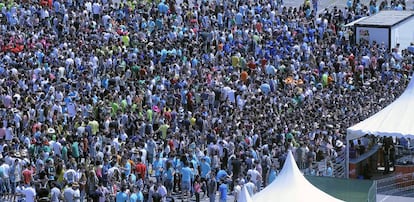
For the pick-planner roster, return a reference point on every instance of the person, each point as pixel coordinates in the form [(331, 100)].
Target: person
[(5, 178), (162, 191), (104, 192), (187, 177), (223, 188), (69, 193), (15, 177), (237, 189), (197, 188), (96, 194), (212, 188), (84, 75), (55, 193), (272, 174), (134, 195), (250, 186), (29, 193), (255, 177), (122, 196)]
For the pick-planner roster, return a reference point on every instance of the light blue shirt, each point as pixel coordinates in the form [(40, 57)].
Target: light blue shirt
[(187, 174)]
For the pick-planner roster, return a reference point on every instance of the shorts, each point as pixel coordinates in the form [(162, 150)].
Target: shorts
[(185, 186)]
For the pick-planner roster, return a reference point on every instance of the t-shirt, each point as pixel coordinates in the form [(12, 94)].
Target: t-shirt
[(69, 195), (223, 192), (54, 194), (75, 149), (186, 174), (30, 194), (121, 197)]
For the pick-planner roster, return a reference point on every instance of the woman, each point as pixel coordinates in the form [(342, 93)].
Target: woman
[(92, 182), (169, 177), (82, 186), (272, 174), (197, 188)]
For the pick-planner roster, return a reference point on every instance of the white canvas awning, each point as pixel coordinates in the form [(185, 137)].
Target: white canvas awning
[(397, 119), (291, 186), (244, 196)]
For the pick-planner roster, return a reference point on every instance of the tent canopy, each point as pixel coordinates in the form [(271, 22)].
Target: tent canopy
[(244, 196), (394, 120), (292, 186)]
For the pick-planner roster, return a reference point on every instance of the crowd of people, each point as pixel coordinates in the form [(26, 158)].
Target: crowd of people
[(150, 101)]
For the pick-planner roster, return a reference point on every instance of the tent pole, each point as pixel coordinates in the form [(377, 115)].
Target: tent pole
[(347, 158)]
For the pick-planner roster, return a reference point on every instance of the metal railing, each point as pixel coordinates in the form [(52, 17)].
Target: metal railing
[(339, 165), (398, 185)]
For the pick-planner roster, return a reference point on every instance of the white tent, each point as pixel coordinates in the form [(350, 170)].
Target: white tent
[(290, 185), (394, 120), (244, 196)]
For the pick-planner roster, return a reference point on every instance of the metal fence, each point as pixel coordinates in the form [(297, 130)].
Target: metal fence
[(398, 185)]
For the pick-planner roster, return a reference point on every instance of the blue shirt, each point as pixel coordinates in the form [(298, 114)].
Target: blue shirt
[(221, 174), (127, 169), (205, 168), (186, 174), (223, 192), (140, 197), (121, 197), (133, 197)]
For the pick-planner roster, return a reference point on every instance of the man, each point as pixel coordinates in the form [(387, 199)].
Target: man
[(70, 176), (250, 186), (256, 177), (162, 191), (5, 178), (122, 196), (223, 191), (55, 193), (134, 195), (29, 193), (69, 193), (27, 174), (140, 168), (212, 188), (187, 176)]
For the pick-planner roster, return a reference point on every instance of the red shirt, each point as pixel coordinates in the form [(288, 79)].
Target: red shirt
[(141, 169), (27, 176)]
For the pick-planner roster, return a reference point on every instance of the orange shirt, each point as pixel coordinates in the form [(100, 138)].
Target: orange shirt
[(243, 76)]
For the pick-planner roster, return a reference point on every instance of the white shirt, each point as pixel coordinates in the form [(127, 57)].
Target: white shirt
[(57, 148), (6, 170), (55, 193), (254, 174), (70, 175), (29, 194), (96, 8)]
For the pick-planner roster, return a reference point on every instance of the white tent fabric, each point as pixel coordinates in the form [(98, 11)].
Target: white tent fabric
[(291, 186), (394, 120), (244, 196)]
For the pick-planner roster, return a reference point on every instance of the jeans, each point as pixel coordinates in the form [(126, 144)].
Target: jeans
[(213, 197), (5, 186)]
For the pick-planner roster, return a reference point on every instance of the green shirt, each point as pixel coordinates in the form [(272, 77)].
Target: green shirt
[(75, 150), (149, 114)]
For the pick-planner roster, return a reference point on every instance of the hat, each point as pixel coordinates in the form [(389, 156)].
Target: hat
[(155, 108), (75, 184), (51, 131), (339, 143)]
